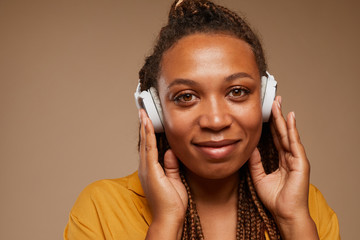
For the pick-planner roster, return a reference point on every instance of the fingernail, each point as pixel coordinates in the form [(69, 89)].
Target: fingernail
[(142, 118), (278, 104), (293, 114), (139, 115), (280, 99), (144, 121)]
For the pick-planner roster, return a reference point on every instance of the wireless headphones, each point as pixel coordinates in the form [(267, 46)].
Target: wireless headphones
[(149, 100)]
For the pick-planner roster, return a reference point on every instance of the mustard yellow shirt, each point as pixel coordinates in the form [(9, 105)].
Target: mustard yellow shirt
[(117, 209)]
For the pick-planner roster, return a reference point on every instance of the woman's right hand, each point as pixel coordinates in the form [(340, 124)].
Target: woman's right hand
[(163, 188)]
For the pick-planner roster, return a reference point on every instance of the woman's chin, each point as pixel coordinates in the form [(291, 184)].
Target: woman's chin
[(214, 171)]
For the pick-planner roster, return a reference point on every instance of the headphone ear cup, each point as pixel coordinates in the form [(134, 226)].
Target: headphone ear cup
[(149, 101), (268, 93), (159, 115)]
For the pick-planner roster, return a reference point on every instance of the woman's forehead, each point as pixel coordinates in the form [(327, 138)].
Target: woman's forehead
[(208, 55)]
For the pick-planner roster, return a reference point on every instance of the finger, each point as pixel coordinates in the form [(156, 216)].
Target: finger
[(275, 138), (143, 119), (297, 149), (150, 148), (279, 148), (279, 124), (255, 166), (171, 165)]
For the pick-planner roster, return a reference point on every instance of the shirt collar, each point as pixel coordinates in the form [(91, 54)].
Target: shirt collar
[(135, 185)]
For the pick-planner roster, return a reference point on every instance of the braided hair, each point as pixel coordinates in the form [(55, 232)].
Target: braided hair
[(201, 16)]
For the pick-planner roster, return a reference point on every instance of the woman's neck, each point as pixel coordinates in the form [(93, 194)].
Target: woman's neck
[(213, 191), (216, 203)]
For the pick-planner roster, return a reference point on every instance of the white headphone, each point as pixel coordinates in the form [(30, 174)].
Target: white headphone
[(149, 100)]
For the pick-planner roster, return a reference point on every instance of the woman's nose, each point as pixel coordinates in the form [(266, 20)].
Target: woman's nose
[(215, 115)]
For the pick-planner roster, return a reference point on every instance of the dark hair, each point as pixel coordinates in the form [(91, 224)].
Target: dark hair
[(202, 16)]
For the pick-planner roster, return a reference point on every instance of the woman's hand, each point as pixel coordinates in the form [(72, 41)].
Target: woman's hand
[(165, 192), (285, 191)]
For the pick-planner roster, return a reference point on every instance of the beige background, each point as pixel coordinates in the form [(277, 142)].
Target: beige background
[(68, 70)]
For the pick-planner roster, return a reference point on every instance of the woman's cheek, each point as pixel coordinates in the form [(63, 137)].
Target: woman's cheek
[(249, 118), (175, 126), (179, 128)]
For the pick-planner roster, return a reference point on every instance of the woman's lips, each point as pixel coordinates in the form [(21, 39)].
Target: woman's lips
[(216, 149)]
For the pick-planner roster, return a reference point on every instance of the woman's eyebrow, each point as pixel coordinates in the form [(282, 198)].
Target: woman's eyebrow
[(189, 82), (238, 75), (182, 81)]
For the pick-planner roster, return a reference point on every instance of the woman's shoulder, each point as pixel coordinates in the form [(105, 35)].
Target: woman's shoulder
[(125, 185), (112, 193), (105, 205), (324, 217)]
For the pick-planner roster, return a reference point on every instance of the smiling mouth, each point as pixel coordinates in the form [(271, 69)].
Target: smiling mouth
[(216, 149)]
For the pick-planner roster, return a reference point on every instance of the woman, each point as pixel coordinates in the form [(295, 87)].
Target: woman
[(217, 171)]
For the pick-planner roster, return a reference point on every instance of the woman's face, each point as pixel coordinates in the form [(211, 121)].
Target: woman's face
[(209, 88)]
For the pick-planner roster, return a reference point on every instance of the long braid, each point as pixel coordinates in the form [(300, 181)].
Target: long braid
[(240, 211), (269, 221), (191, 217), (247, 219)]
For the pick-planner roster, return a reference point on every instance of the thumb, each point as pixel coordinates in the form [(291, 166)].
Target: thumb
[(171, 165), (255, 166)]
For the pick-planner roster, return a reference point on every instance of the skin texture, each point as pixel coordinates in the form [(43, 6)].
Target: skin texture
[(209, 88), (212, 112)]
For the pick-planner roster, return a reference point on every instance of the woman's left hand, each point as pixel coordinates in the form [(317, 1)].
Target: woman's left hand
[(285, 191)]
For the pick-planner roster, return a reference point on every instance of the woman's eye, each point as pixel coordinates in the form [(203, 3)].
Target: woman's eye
[(238, 92), (186, 98)]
